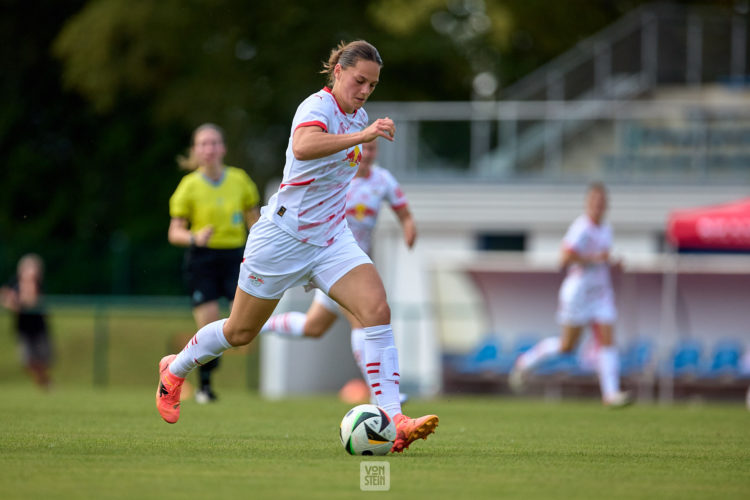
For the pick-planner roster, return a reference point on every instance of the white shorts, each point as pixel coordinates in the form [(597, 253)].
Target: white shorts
[(275, 261), (579, 305), (326, 301)]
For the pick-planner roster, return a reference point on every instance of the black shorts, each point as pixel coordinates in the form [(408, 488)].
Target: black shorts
[(34, 338), (211, 273)]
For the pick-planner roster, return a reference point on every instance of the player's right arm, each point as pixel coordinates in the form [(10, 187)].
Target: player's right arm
[(179, 234), (570, 256), (312, 142)]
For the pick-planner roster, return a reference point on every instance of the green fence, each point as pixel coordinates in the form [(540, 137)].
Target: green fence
[(113, 340)]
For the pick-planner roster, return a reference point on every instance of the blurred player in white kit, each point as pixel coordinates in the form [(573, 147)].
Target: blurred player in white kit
[(585, 298)]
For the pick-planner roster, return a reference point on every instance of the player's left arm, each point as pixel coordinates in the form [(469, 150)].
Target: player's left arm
[(408, 226)]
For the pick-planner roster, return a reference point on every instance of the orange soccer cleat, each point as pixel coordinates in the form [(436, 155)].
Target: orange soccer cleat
[(168, 392), (410, 429)]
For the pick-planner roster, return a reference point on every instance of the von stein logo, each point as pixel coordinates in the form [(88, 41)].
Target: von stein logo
[(374, 476)]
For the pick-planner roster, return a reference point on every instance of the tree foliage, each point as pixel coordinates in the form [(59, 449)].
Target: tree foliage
[(101, 95), (245, 65)]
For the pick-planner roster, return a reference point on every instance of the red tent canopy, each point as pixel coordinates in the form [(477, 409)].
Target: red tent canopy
[(717, 227)]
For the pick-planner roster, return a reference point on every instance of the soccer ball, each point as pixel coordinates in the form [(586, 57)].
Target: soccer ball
[(367, 430)]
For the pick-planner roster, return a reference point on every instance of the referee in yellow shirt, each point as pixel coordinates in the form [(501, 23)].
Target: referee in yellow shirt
[(211, 211)]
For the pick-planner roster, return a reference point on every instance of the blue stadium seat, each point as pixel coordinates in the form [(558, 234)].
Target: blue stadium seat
[(725, 359), (636, 357), (484, 357), (744, 365), (564, 363), (686, 359), (524, 342)]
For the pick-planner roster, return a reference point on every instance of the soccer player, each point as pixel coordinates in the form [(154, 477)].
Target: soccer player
[(370, 187), (302, 237), (23, 296), (585, 297), (211, 211)]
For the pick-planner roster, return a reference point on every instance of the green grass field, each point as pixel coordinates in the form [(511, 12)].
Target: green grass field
[(97, 435), (135, 337), (88, 443)]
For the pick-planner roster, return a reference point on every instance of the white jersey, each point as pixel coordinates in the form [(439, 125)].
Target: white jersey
[(586, 294), (364, 199), (311, 201), (587, 240)]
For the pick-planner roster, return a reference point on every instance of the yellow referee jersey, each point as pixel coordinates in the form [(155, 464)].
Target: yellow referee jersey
[(220, 204)]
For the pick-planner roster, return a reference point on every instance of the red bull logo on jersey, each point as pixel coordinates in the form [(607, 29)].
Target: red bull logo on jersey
[(359, 211), (354, 157), (255, 280)]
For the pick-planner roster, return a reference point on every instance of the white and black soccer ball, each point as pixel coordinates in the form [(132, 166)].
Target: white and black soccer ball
[(367, 430)]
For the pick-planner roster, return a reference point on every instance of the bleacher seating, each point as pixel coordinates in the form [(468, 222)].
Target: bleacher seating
[(725, 360), (636, 357), (483, 358), (686, 359), (564, 364), (696, 368)]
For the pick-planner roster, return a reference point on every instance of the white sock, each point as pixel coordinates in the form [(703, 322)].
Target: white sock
[(543, 349), (358, 351), (609, 370), (288, 324), (207, 344), (381, 364)]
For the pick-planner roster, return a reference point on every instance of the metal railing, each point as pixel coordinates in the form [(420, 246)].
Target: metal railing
[(574, 117), (674, 141), (657, 44)]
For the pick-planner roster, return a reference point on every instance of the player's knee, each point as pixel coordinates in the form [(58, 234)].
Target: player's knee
[(566, 347), (239, 335), (377, 313), (606, 342), (314, 331)]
